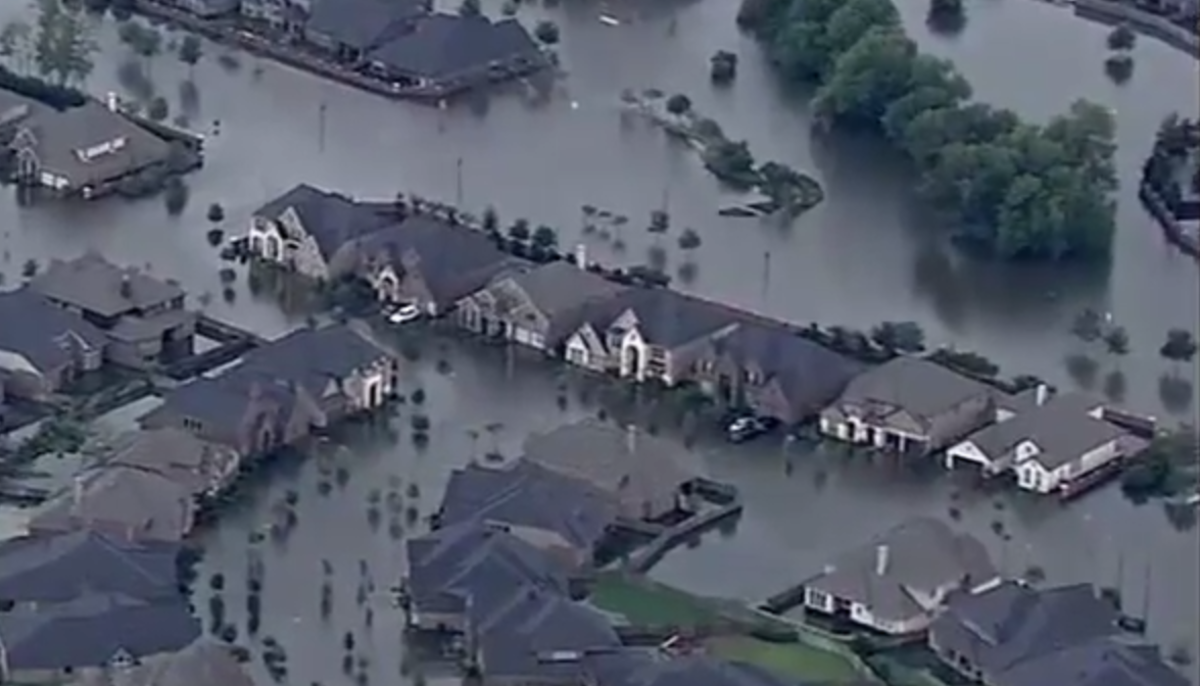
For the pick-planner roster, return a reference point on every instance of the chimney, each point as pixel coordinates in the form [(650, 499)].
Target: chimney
[(631, 439), (881, 559), (1043, 394), (581, 260)]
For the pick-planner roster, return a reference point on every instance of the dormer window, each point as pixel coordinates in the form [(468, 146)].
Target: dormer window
[(106, 148)]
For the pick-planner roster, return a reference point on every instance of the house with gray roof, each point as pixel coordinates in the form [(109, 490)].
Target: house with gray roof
[(43, 348), (84, 150), (538, 636), (1062, 437), (56, 568), (305, 229), (650, 476), (349, 29), (203, 663), (89, 634), (143, 317), (897, 583), (909, 405), (200, 467), (562, 514), (283, 391), (986, 634), (771, 370), (428, 261), (1107, 661), (650, 334), (446, 53), (253, 414), (539, 307), (469, 569), (123, 502)]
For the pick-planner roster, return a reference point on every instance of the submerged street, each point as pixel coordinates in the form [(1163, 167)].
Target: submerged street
[(866, 254)]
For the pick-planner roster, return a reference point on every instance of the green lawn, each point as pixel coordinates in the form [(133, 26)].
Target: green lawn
[(790, 660), (647, 603)]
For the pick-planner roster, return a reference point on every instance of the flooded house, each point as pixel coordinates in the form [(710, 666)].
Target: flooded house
[(347, 30), (144, 318), (909, 404), (282, 392), (43, 347), (85, 150), (445, 53), (899, 582)]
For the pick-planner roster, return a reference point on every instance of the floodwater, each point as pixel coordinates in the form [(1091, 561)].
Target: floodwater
[(864, 255)]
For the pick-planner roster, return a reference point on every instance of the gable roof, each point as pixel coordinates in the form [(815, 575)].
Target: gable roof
[(332, 219), (1101, 662), (809, 374), (203, 663), (96, 285), (1012, 623), (475, 565), (918, 386), (90, 630), (55, 568), (445, 45), (47, 335), (633, 466), (541, 634), (229, 406), (1064, 428), (122, 501), (172, 452), (60, 136), (526, 494), (454, 261), (311, 358), (558, 290), (666, 317), (921, 554), (361, 24)]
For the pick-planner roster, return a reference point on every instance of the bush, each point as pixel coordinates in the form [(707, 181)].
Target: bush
[(215, 237), (679, 104), (216, 213), (723, 66)]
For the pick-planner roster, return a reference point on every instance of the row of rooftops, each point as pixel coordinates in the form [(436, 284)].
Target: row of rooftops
[(513, 594), (107, 609)]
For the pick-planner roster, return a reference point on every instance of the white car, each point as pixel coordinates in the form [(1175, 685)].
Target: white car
[(405, 314)]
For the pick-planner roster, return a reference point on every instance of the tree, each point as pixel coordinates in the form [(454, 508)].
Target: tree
[(63, 45), (545, 238), (190, 51), (216, 213), (519, 231), (470, 8), (868, 78), (1180, 347), (546, 31), (15, 44), (723, 66), (1116, 341), (679, 104), (1122, 38), (176, 196), (1119, 68), (946, 16), (491, 220), (158, 109), (905, 337), (731, 162), (1088, 326)]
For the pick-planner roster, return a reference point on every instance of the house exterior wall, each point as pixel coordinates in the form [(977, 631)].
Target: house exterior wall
[(286, 242), (21, 379), (1033, 476), (847, 422), (403, 284), (585, 349)]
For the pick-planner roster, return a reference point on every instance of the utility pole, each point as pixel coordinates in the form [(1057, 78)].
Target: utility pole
[(458, 183), (321, 126), (766, 274)]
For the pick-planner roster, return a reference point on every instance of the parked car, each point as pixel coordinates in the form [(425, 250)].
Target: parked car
[(747, 427), (404, 314)]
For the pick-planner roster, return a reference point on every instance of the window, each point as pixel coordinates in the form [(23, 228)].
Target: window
[(577, 355), (815, 598)]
